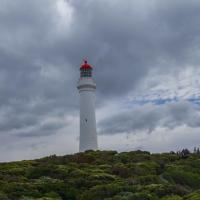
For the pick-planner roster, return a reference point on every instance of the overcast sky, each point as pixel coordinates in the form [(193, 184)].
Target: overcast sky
[(146, 62)]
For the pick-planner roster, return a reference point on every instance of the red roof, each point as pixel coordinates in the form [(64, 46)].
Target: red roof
[(85, 65)]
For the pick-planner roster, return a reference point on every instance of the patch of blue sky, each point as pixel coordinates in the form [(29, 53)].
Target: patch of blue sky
[(195, 100), (159, 101), (163, 101)]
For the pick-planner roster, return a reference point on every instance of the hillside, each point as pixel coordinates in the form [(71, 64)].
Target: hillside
[(98, 175)]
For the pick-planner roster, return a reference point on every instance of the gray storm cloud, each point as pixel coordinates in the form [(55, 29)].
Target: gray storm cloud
[(42, 46), (149, 117)]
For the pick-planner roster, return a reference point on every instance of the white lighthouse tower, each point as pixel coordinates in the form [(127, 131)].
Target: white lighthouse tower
[(87, 87)]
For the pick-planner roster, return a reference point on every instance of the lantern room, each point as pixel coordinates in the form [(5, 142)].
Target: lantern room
[(86, 70)]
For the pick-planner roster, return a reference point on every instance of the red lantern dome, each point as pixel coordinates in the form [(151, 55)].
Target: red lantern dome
[(85, 65)]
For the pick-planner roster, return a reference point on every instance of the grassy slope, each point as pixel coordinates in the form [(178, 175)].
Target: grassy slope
[(98, 175)]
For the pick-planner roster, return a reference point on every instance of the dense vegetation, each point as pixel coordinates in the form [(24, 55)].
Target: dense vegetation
[(98, 175)]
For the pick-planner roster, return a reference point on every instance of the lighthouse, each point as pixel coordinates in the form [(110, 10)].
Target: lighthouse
[(86, 87)]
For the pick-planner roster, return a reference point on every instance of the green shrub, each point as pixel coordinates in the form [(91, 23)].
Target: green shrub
[(194, 195), (133, 196), (3, 196), (182, 177), (100, 192), (149, 179), (172, 197), (103, 175)]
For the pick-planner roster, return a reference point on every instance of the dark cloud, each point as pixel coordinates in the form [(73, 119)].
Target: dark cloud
[(50, 128), (149, 117), (41, 50)]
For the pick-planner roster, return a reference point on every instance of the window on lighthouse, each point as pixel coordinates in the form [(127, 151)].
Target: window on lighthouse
[(86, 73)]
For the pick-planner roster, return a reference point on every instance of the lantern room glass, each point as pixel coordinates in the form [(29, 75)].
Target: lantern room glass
[(86, 73)]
